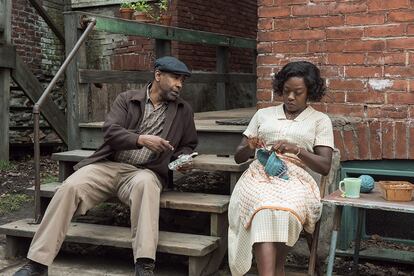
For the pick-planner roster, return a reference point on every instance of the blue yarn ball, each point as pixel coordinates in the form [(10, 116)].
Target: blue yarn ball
[(367, 183)]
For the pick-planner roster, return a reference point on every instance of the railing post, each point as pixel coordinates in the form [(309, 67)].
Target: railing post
[(5, 38), (221, 68), (77, 94)]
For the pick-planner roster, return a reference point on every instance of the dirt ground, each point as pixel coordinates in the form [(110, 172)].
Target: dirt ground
[(15, 204)]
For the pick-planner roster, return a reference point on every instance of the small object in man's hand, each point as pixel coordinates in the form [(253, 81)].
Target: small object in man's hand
[(181, 160)]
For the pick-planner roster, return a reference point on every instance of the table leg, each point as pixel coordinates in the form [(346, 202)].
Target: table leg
[(361, 213), (334, 239)]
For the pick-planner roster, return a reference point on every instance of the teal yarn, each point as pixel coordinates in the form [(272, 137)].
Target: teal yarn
[(367, 183), (273, 165)]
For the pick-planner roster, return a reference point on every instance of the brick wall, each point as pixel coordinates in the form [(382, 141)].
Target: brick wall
[(237, 18), (365, 49)]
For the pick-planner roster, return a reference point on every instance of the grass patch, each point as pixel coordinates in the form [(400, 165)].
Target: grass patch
[(5, 165), (12, 202), (49, 179)]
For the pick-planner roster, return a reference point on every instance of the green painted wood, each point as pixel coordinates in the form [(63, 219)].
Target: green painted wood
[(222, 56), (115, 76), (7, 56), (24, 77), (169, 242), (129, 27)]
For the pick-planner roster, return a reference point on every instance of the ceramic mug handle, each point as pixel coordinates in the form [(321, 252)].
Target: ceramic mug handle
[(340, 186)]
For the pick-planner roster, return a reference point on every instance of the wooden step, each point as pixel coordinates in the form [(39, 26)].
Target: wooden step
[(198, 202), (169, 242), (208, 162), (212, 138)]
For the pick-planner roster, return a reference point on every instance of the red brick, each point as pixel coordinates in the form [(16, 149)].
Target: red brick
[(399, 85), (411, 138), (264, 47), (265, 3), (401, 43), (281, 24), (260, 105), (274, 11), (365, 97), (269, 60), (299, 23), (344, 59), (307, 34), (263, 83), (364, 45), (345, 84), (273, 36), (375, 140), (351, 145), (289, 47), (384, 31), (401, 16), (388, 140), (334, 97), (339, 144), (349, 110), (319, 107), (347, 8), (376, 5), (330, 71), (374, 111), (399, 71), (263, 72), (328, 21), (326, 46), (400, 140), (385, 58), (264, 96), (344, 33), (265, 24), (310, 10), (362, 71), (411, 85), (411, 58), (362, 130), (410, 29), (365, 19), (291, 2), (400, 98)]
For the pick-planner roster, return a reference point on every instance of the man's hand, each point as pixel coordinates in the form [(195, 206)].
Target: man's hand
[(154, 143)]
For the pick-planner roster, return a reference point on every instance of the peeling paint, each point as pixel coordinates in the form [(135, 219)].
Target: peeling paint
[(380, 85)]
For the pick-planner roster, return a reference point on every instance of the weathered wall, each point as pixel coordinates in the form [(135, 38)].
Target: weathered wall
[(365, 50), (38, 47)]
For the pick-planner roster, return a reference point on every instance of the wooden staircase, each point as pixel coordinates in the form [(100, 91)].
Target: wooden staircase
[(205, 252)]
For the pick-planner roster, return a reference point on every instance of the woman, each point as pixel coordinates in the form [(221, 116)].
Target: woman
[(267, 213)]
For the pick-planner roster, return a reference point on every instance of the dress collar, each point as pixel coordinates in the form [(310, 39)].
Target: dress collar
[(280, 113)]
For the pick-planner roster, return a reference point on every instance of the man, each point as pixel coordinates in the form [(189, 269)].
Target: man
[(143, 132)]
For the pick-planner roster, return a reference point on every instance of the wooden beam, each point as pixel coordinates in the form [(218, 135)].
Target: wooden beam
[(7, 56), (101, 76), (162, 48), (49, 21), (24, 77), (222, 57), (129, 27), (5, 37)]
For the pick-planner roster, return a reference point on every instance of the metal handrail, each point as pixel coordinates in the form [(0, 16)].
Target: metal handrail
[(36, 114)]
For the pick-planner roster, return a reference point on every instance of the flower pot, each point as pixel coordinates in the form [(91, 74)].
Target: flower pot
[(143, 17), (126, 13), (165, 20)]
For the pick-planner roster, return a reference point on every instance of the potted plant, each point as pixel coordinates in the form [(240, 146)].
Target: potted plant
[(165, 17), (143, 11), (126, 10)]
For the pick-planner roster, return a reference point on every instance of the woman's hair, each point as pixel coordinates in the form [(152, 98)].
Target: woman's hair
[(306, 70)]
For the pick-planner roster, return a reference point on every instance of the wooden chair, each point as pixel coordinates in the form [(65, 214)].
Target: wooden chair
[(312, 240)]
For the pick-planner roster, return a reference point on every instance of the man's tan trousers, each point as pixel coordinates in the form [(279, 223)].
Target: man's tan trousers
[(91, 185)]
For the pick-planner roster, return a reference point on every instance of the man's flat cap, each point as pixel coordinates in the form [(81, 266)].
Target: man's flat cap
[(172, 65)]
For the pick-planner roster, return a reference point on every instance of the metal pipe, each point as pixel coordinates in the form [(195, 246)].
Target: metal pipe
[(36, 115)]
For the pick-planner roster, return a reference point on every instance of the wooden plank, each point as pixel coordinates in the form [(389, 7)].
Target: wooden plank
[(7, 56), (162, 48), (129, 27), (23, 76), (372, 200), (169, 242), (381, 254), (95, 3), (210, 162), (115, 76), (49, 21), (5, 37), (222, 57), (197, 202)]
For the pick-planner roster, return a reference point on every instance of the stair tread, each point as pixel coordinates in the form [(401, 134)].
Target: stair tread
[(199, 202), (169, 242), (208, 162)]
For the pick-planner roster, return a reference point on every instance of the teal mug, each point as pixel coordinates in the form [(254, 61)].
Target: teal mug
[(352, 187)]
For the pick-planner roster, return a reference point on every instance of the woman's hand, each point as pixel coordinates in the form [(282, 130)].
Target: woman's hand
[(255, 142), (283, 146)]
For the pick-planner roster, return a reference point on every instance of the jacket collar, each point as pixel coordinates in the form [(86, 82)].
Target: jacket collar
[(141, 95)]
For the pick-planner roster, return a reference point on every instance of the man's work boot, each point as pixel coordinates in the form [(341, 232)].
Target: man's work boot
[(144, 267), (32, 269)]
